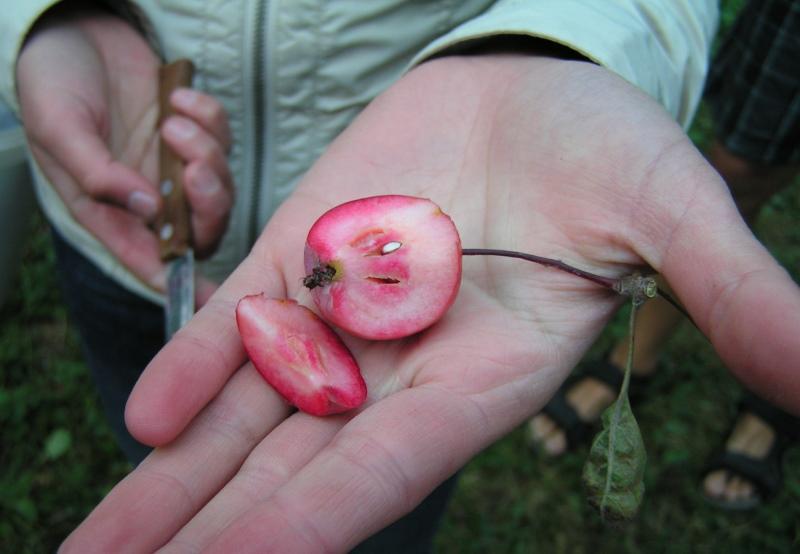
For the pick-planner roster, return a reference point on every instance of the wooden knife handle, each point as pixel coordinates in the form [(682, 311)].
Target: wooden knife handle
[(174, 222)]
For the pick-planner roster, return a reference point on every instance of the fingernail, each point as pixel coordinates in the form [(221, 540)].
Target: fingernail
[(180, 128), (206, 182), (142, 204), (184, 97)]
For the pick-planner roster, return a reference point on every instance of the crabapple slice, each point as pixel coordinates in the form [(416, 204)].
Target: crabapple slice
[(299, 355), (383, 267)]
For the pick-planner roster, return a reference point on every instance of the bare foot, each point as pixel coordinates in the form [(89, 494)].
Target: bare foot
[(589, 397), (752, 437)]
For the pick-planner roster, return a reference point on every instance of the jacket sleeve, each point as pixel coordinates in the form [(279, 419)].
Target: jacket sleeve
[(660, 46), (16, 21)]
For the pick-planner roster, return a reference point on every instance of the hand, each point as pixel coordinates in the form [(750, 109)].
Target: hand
[(88, 92), (556, 158)]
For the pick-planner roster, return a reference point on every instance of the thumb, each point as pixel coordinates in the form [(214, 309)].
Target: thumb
[(737, 293)]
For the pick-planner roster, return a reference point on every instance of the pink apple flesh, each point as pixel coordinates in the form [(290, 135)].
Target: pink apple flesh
[(394, 265), (299, 355)]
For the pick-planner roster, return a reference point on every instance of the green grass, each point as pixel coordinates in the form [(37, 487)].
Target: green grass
[(58, 458)]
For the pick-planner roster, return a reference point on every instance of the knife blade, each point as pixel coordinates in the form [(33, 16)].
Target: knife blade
[(174, 222)]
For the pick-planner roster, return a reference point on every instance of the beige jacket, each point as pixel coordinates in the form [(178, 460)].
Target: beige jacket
[(293, 73)]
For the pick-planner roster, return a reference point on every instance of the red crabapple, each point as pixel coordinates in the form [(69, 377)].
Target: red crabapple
[(299, 355), (383, 267)]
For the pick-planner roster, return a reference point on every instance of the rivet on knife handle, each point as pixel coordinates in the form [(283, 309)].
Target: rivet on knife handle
[(174, 223)]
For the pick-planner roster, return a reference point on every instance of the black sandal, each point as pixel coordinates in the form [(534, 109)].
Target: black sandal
[(563, 414), (765, 473)]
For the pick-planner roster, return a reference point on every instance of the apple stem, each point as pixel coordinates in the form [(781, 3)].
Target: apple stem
[(607, 282), (637, 286)]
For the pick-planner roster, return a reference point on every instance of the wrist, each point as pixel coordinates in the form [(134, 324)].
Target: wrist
[(79, 13), (515, 44)]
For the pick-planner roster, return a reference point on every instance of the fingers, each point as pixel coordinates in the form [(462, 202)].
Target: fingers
[(204, 289), (74, 142), (109, 199), (272, 463), (381, 465), (192, 142), (152, 503), (737, 293), (211, 202), (195, 365), (206, 111), (751, 313), (209, 185), (122, 232)]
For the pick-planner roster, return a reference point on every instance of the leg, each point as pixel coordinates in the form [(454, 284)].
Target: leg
[(656, 323), (752, 184), (748, 470), (119, 331), (752, 437), (752, 92)]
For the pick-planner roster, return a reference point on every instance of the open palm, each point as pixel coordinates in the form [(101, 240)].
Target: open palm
[(551, 157)]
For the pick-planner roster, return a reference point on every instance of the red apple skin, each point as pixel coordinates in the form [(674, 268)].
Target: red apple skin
[(299, 355), (380, 295)]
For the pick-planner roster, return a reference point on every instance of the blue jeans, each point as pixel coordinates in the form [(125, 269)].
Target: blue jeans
[(121, 332)]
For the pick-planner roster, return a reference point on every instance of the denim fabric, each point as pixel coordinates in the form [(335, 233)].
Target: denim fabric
[(120, 333)]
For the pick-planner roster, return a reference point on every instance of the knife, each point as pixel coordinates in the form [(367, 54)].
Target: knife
[(174, 223)]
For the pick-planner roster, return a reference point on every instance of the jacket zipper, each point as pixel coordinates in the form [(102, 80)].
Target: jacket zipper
[(259, 108)]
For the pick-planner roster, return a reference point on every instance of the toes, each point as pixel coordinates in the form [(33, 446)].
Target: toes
[(540, 427), (545, 434), (714, 483), (739, 489), (556, 444), (733, 491), (747, 490), (728, 487)]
